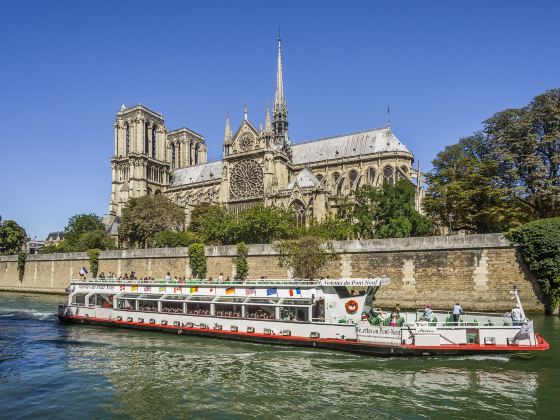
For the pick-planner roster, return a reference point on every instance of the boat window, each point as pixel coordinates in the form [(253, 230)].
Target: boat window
[(201, 298), (129, 296), (198, 308), (350, 291), (296, 302), (263, 300), (173, 297), (233, 299), (228, 309), (79, 299), (294, 314), (260, 312), (147, 305), (150, 297), (174, 307), (126, 304)]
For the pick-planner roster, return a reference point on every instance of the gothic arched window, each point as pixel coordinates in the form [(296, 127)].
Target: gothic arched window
[(298, 211), (334, 179), (179, 155), (196, 154), (146, 138), (127, 141), (190, 152), (388, 175), (173, 155), (353, 178), (154, 136), (371, 176)]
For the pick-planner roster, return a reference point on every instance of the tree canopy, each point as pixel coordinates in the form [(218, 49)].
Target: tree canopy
[(83, 232), (305, 256), (146, 216), (503, 176), (384, 212), (12, 237)]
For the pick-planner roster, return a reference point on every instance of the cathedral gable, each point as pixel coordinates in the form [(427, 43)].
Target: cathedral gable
[(246, 138)]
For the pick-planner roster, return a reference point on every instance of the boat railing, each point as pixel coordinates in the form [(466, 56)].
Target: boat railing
[(187, 282), (472, 319)]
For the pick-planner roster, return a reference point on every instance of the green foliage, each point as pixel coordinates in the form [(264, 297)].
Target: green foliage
[(146, 216), (330, 228), (257, 224), (169, 239), (540, 247), (22, 257), (50, 249), (242, 268), (304, 256), (384, 212), (464, 192), (83, 232), (503, 177), (12, 237), (197, 260), (93, 256)]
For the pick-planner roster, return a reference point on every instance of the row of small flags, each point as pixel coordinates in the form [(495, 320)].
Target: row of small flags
[(273, 291)]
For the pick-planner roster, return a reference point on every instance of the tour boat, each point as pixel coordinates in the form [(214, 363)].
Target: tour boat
[(336, 314)]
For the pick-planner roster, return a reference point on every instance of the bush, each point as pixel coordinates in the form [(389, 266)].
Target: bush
[(22, 257), (169, 239), (304, 256), (242, 268), (197, 260), (93, 255), (539, 243)]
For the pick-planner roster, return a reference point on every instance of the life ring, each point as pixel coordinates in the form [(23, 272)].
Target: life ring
[(351, 306)]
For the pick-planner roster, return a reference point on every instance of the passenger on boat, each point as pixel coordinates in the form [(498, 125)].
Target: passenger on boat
[(457, 311), (394, 319), (516, 317), (397, 309), (168, 277), (221, 278), (428, 312)]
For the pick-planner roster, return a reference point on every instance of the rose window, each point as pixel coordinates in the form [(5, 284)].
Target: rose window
[(246, 180), (246, 142)]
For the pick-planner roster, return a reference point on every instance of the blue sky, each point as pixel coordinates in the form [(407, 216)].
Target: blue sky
[(443, 67)]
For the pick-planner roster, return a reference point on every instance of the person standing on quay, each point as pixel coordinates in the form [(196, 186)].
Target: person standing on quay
[(457, 312)]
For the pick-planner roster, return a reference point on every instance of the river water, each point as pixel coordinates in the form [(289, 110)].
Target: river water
[(53, 370)]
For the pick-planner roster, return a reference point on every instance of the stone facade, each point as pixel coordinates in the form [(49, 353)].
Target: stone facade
[(259, 166), (477, 270)]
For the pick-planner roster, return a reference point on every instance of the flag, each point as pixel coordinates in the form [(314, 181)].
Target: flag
[(272, 291), (250, 291), (147, 289), (194, 289), (162, 289), (134, 288), (178, 289), (298, 291), (230, 291), (121, 287), (83, 271), (291, 292)]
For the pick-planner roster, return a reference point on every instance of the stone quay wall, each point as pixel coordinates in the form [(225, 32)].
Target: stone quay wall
[(476, 270)]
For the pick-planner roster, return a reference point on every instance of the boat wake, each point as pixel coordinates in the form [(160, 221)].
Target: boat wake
[(26, 314)]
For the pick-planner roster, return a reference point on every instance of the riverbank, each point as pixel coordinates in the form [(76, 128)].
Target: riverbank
[(475, 270)]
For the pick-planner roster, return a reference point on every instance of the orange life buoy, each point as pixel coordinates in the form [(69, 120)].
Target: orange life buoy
[(351, 306)]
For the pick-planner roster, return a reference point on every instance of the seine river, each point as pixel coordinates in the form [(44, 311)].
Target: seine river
[(51, 370)]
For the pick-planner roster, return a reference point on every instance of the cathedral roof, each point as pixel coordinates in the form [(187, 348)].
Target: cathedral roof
[(304, 179), (198, 173), (377, 140)]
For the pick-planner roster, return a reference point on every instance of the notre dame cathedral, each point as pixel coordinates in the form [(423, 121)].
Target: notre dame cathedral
[(259, 165)]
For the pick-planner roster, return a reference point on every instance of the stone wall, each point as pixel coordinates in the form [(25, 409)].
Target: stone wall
[(475, 270)]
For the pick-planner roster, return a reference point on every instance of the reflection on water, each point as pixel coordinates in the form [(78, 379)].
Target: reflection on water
[(47, 368)]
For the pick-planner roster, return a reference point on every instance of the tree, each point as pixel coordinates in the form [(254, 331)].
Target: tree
[(464, 190), (330, 228), (384, 212), (539, 243), (259, 224), (197, 260), (304, 256), (169, 239), (144, 217), (241, 266), (83, 232), (526, 144), (12, 237)]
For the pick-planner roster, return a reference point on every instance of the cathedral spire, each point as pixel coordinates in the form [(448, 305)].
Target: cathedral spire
[(280, 109), (228, 135), (279, 99), (245, 113)]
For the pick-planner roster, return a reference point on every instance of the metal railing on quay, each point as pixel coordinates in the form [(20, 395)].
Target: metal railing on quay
[(174, 282)]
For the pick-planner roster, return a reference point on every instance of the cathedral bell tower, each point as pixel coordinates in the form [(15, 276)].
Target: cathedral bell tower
[(140, 165)]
